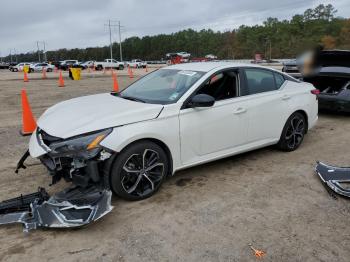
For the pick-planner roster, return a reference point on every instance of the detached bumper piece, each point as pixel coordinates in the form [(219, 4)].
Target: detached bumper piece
[(336, 178), (73, 207)]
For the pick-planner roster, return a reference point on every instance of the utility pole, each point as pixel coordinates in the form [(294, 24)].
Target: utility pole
[(120, 43), (37, 44), (15, 53), (110, 38), (11, 55), (110, 25), (45, 57)]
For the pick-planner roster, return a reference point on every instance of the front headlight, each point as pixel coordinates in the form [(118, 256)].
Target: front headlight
[(84, 146)]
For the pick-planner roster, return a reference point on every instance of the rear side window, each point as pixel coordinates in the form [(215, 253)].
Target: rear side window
[(259, 81), (279, 79)]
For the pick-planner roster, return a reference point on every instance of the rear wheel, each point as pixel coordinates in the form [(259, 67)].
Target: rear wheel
[(139, 171), (293, 133)]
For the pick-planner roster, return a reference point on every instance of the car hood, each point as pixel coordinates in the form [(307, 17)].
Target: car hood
[(92, 113)]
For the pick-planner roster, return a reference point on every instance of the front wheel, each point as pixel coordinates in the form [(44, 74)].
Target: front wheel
[(293, 133), (139, 171)]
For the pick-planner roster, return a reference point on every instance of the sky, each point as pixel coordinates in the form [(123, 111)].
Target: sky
[(82, 23)]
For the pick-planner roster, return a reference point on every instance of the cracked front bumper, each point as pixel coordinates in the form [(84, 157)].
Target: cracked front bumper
[(73, 207)]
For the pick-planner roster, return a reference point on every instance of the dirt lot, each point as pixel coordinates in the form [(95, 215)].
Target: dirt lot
[(207, 213)]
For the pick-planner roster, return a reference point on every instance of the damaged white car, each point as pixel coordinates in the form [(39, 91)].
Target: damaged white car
[(171, 119)]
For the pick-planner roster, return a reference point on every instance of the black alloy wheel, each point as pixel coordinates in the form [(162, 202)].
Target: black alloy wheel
[(139, 171), (293, 132)]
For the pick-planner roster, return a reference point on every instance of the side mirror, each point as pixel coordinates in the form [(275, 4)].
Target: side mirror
[(202, 100)]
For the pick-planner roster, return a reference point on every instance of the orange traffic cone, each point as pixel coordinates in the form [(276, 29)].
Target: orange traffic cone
[(56, 69), (25, 77), (60, 80), (115, 83), (44, 73), (28, 120), (131, 73), (146, 69)]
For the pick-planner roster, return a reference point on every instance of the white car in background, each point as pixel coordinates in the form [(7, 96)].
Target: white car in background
[(19, 67), (38, 67), (174, 118), (109, 64), (137, 63), (88, 64)]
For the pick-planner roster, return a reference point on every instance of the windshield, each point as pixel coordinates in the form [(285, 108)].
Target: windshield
[(164, 86)]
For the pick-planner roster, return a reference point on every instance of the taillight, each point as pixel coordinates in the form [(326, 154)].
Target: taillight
[(315, 92)]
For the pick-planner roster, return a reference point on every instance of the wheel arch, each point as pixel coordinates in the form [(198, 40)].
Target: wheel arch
[(154, 140), (303, 112)]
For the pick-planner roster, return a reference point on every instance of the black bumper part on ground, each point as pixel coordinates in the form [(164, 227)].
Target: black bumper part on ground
[(72, 207), (335, 178)]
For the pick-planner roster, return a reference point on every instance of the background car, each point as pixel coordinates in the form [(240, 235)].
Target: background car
[(171, 119), (19, 67), (87, 64), (66, 64), (137, 63), (38, 67), (109, 64), (330, 73), (4, 65)]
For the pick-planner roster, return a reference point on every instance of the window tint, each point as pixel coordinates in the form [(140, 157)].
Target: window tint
[(221, 86), (279, 79), (259, 81)]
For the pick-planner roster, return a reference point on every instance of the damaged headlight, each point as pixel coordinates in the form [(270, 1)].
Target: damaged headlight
[(85, 146)]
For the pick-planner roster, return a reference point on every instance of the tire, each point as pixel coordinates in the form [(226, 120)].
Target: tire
[(121, 67), (99, 68), (49, 70), (132, 180), (293, 133)]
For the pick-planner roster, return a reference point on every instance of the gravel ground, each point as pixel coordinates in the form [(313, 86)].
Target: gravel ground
[(270, 199)]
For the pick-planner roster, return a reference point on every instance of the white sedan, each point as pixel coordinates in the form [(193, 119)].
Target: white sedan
[(174, 118), (38, 67)]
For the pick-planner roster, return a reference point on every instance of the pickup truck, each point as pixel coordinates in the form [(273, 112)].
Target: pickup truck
[(137, 63), (109, 64)]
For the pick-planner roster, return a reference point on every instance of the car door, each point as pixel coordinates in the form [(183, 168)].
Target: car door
[(206, 133), (268, 106)]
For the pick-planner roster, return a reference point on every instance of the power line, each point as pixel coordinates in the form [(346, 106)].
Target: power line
[(114, 24)]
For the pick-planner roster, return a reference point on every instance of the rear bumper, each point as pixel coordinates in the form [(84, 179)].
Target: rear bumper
[(334, 104)]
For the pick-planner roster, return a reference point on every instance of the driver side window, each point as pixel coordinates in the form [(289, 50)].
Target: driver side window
[(221, 86)]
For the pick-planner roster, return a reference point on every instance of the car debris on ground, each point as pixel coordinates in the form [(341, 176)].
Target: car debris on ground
[(72, 207), (335, 178)]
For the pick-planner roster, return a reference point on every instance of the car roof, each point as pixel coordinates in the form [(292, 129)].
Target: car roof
[(208, 66)]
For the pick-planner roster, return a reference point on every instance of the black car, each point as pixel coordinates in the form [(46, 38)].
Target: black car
[(290, 66), (331, 75)]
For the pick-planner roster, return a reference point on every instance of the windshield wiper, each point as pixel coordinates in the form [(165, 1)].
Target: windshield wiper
[(133, 99)]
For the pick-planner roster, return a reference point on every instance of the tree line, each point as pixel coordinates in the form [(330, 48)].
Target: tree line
[(283, 38)]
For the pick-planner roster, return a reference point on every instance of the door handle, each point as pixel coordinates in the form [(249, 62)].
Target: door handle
[(286, 97), (240, 111)]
